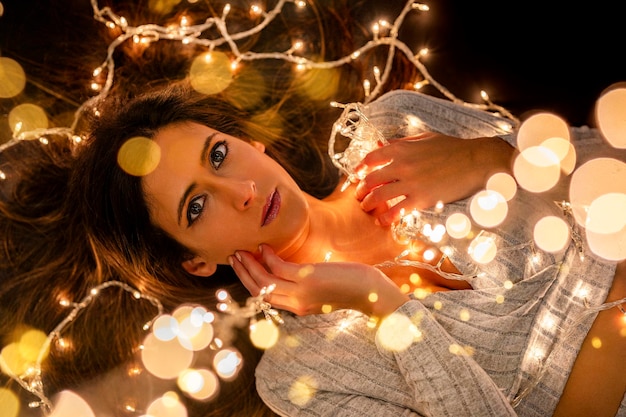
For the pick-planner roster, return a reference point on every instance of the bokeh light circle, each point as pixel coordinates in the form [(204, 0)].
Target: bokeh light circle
[(611, 116), (551, 234), (70, 404), (537, 169), (483, 248), (9, 403), (488, 208), (199, 384), (539, 127), (211, 73), (165, 359), (264, 334), (27, 117), (139, 156), (396, 333), (458, 225), (12, 77), (504, 184), (594, 178), (168, 405)]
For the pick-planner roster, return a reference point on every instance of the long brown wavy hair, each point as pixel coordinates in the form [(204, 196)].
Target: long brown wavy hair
[(71, 219)]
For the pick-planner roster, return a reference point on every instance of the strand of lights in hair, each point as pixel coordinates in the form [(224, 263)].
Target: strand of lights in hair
[(32, 378), (384, 34)]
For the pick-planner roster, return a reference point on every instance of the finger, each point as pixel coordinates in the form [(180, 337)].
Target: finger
[(375, 158), (371, 181), (381, 195), (286, 270), (257, 272), (244, 276), (406, 206)]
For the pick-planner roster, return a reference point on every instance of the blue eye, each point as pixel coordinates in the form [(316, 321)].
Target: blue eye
[(195, 208), (218, 154)]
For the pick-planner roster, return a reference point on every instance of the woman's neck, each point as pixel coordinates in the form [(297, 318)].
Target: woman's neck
[(339, 230)]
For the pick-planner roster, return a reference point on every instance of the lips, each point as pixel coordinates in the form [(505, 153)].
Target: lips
[(271, 208)]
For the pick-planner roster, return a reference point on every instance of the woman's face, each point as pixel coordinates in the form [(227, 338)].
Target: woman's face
[(216, 194)]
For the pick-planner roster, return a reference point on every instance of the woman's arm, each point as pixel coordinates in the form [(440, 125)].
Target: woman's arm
[(427, 169), (307, 288), (439, 377)]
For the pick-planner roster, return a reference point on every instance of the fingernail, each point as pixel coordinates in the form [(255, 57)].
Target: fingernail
[(238, 256), (261, 249), (230, 260), (377, 222)]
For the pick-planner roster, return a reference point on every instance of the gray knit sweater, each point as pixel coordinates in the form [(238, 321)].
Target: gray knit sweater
[(497, 350)]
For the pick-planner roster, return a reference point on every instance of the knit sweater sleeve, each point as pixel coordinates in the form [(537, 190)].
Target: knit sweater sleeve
[(429, 377), (442, 375)]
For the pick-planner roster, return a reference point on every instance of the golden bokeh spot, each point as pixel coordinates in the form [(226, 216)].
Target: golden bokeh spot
[(26, 117), (12, 77), (488, 208), (405, 288), (610, 116), (596, 342), (415, 278), (421, 293), (292, 341), (139, 156), (9, 403), (211, 73), (397, 332), (537, 169), (264, 334), (248, 89), (499, 299), (306, 271), (31, 345), (327, 308), (594, 178), (539, 127), (551, 234), (199, 384), (483, 248), (508, 284), (372, 297), (20, 356), (504, 184), (459, 350), (302, 390), (438, 305), (464, 315), (268, 124), (162, 6), (458, 225), (318, 84)]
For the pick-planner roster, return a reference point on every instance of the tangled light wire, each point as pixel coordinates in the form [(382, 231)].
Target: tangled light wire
[(355, 125), (192, 34)]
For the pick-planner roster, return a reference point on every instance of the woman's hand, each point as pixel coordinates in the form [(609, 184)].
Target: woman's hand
[(307, 288), (427, 169)]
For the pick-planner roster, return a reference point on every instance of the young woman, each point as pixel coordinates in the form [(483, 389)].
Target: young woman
[(72, 219), (215, 199)]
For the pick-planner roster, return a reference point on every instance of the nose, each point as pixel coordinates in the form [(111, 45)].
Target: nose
[(242, 192)]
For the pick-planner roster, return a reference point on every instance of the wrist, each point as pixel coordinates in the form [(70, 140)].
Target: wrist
[(494, 155)]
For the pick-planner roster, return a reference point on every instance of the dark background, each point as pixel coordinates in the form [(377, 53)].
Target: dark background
[(553, 55)]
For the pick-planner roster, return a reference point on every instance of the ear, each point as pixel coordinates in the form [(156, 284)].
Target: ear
[(258, 145), (199, 267)]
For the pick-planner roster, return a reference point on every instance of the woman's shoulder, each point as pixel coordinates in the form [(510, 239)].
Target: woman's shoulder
[(405, 113)]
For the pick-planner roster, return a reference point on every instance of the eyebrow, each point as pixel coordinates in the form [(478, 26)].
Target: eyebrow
[(188, 190)]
